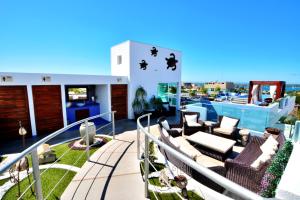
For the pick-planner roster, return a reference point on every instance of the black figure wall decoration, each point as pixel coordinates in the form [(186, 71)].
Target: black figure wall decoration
[(143, 65), (154, 51), (171, 62)]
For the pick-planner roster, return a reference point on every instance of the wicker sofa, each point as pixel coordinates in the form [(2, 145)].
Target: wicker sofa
[(239, 171), (212, 164)]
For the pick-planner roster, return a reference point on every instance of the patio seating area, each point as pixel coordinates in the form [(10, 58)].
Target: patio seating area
[(212, 145)]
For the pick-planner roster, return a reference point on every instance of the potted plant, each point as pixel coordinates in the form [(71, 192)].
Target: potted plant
[(139, 102)]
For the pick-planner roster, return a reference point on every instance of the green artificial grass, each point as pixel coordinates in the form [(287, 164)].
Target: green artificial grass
[(49, 179), (155, 181), (3, 181), (173, 196), (70, 157), (158, 166)]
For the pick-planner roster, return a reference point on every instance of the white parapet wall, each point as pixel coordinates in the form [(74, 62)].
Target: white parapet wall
[(126, 59)]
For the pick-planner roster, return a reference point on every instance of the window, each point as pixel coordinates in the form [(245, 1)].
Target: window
[(168, 92), (119, 60)]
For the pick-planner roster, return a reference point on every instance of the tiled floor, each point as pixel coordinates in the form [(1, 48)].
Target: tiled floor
[(112, 173)]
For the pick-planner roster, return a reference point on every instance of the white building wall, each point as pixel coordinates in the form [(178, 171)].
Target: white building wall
[(103, 98), (122, 50), (156, 71)]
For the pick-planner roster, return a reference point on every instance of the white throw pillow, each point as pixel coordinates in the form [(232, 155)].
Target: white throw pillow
[(228, 123), (165, 124), (256, 163), (263, 158), (165, 133), (191, 120), (174, 142), (269, 145)]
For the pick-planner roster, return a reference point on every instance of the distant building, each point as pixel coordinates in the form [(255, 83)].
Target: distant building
[(187, 85), (224, 86)]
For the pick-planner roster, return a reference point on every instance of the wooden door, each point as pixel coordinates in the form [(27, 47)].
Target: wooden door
[(119, 101), (13, 108), (47, 108)]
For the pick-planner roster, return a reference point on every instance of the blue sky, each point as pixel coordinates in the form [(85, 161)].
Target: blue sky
[(229, 40)]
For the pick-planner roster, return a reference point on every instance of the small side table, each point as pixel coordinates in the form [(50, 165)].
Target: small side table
[(210, 125), (244, 133)]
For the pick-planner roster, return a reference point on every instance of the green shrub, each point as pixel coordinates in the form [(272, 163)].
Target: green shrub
[(275, 170)]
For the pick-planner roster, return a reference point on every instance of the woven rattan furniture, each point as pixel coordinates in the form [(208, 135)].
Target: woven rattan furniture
[(239, 169), (189, 130), (218, 167)]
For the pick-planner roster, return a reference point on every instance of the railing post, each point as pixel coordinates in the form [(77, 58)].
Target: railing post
[(146, 163), (149, 123), (36, 175), (87, 142), (113, 123), (138, 142)]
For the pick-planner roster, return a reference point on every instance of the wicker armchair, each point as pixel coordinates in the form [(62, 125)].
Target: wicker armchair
[(175, 129), (227, 133), (189, 130), (239, 171), (187, 169)]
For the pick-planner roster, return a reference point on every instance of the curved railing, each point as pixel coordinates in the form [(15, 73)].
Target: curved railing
[(33, 151), (220, 180)]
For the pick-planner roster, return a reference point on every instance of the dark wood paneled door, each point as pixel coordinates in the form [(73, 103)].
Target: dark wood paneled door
[(47, 108), (13, 108), (119, 101)]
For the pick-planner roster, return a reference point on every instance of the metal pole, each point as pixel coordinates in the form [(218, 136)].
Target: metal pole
[(138, 142), (146, 165), (36, 175), (149, 123), (87, 142), (113, 123)]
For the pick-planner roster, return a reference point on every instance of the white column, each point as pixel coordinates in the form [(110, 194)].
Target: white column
[(63, 104), (31, 110), (109, 98)]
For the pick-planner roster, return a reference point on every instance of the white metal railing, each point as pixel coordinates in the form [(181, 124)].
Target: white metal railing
[(35, 160), (220, 180)]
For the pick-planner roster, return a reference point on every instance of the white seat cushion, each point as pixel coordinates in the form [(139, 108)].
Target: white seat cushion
[(263, 158), (193, 124), (187, 148), (177, 129), (228, 123), (174, 142), (269, 145), (225, 131), (165, 124), (165, 133)]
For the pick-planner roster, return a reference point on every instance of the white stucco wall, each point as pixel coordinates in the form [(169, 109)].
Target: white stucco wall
[(61, 79), (103, 98), (155, 73)]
